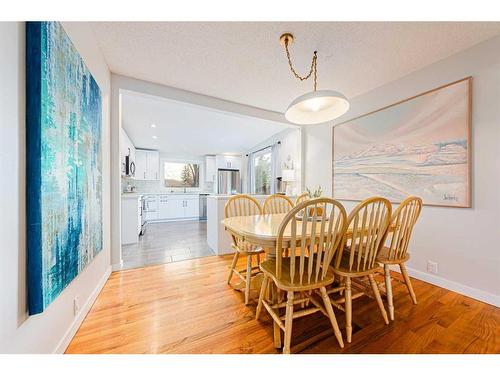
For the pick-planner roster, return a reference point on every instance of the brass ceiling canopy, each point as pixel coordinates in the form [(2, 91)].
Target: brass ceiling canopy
[(317, 106)]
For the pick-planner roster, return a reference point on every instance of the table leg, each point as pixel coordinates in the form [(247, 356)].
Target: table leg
[(274, 299)]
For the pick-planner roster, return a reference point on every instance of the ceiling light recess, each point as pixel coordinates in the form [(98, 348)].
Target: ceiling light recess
[(317, 106)]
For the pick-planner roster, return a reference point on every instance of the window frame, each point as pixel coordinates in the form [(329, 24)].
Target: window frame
[(164, 182), (265, 150)]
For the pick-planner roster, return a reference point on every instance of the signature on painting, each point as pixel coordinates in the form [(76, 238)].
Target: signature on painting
[(450, 197)]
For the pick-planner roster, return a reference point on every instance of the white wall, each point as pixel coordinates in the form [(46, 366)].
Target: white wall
[(464, 242), (51, 330)]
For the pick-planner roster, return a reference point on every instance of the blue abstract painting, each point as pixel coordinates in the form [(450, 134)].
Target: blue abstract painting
[(64, 181)]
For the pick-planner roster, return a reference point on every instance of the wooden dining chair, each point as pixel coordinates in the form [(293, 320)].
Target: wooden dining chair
[(302, 198), (367, 223), (306, 271), (277, 204), (403, 220), (243, 205)]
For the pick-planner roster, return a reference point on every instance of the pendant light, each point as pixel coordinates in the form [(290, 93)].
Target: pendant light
[(316, 106)]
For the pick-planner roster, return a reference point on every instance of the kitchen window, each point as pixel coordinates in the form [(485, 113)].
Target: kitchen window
[(181, 175)]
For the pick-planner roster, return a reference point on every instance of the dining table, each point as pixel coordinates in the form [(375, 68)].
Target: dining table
[(262, 230)]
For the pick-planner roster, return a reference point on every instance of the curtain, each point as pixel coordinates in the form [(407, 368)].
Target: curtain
[(250, 175), (275, 166)]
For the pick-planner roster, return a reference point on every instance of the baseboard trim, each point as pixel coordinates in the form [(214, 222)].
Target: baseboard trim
[(478, 294), (63, 344)]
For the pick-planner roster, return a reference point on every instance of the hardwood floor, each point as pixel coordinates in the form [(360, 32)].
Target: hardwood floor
[(187, 307), (168, 242)]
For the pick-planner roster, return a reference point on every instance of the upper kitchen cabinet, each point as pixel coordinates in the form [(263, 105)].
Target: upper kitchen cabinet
[(147, 165), (210, 169), (153, 165), (228, 162)]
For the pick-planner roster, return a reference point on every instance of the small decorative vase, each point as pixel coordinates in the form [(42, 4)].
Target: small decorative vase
[(319, 211)]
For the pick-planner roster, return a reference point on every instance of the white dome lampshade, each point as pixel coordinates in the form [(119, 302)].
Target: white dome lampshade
[(316, 107)]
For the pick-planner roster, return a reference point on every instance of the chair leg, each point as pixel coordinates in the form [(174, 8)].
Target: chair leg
[(388, 289), (262, 294), (248, 278), (348, 309), (404, 272), (288, 323), (331, 315), (276, 328), (376, 292), (233, 265)]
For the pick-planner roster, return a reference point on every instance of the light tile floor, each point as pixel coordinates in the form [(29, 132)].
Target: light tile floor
[(168, 242)]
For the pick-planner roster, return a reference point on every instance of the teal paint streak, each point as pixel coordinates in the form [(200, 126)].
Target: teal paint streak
[(71, 168)]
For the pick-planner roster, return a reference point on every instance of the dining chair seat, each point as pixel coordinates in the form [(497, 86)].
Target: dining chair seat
[(383, 257), (284, 282), (245, 248), (343, 268)]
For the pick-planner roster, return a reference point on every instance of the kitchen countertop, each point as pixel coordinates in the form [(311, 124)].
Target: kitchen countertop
[(131, 195), (181, 193), (227, 196)]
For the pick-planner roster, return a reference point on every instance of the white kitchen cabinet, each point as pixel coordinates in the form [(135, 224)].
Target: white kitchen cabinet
[(147, 164), (153, 165), (178, 206), (152, 208), (228, 162), (141, 164), (170, 208), (131, 218), (192, 207), (210, 169)]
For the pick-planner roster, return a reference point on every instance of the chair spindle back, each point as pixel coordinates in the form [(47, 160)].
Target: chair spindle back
[(277, 204), (368, 221), (403, 220), (326, 218), (302, 198), (242, 205)]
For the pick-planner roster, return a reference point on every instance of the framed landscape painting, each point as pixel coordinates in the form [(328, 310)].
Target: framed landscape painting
[(419, 146), (63, 160)]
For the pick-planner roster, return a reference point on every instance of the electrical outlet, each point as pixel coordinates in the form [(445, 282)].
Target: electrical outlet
[(432, 267), (76, 305)]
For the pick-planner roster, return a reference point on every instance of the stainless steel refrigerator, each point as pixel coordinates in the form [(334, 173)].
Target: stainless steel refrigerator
[(228, 181)]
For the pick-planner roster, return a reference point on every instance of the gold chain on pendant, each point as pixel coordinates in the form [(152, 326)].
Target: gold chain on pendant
[(314, 68)]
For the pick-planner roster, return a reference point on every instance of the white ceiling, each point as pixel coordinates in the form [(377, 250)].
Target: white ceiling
[(186, 130), (243, 61)]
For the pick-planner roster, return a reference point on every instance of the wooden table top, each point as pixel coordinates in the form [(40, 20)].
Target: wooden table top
[(262, 226), (263, 229)]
